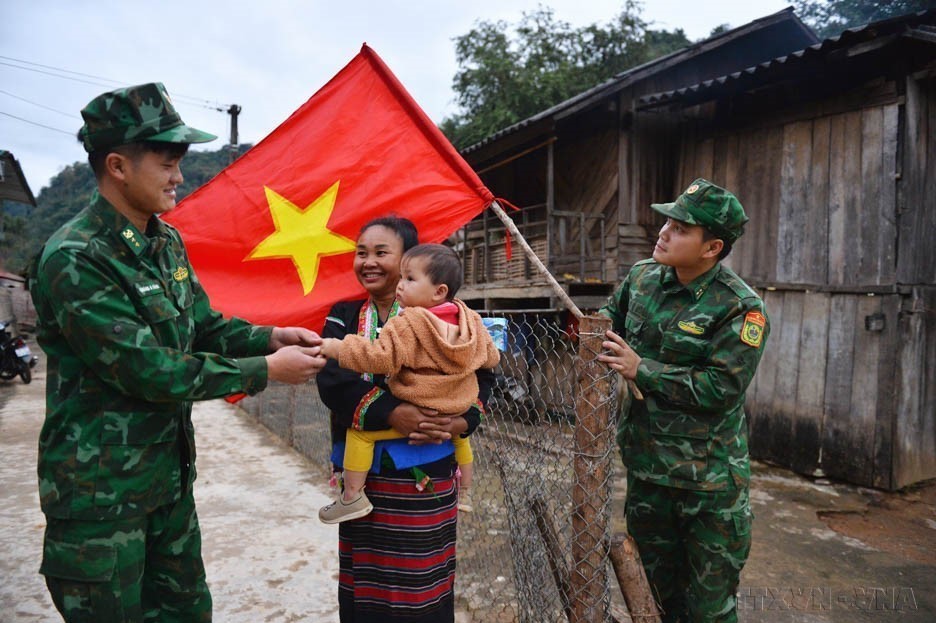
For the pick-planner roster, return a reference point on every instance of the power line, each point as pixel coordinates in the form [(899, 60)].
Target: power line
[(47, 127), (68, 71), (212, 105), (23, 99), (49, 73)]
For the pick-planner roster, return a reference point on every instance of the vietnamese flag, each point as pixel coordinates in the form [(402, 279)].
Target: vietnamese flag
[(272, 236)]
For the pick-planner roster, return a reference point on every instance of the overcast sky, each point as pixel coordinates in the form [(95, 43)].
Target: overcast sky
[(267, 56)]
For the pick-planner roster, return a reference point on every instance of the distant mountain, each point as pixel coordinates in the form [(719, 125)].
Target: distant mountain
[(25, 231)]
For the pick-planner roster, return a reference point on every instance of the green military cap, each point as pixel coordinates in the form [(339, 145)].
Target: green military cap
[(134, 114), (710, 206)]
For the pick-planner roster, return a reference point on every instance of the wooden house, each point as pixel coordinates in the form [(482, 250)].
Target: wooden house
[(831, 148)]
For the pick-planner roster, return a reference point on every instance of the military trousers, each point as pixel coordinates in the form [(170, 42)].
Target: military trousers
[(693, 545), (146, 568)]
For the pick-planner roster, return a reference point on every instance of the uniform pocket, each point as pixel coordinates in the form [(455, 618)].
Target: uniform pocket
[(681, 348), (138, 462), (633, 325), (78, 562), (80, 579), (157, 308), (163, 317), (682, 444)]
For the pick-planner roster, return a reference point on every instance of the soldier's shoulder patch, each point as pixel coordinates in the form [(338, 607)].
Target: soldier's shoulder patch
[(752, 331)]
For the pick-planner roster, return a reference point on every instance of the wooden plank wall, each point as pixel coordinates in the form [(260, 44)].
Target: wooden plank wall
[(821, 196), (820, 193), (917, 261), (915, 432), (824, 393)]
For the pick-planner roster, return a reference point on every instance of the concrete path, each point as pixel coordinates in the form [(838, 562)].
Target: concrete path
[(268, 558)]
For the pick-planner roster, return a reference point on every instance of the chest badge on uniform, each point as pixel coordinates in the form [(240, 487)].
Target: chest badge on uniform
[(181, 274), (690, 327), (752, 331)]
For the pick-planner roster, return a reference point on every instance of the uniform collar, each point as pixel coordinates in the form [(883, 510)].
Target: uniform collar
[(696, 288), (138, 242)]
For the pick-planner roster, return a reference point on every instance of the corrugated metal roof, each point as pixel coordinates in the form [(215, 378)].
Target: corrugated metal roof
[(848, 38)]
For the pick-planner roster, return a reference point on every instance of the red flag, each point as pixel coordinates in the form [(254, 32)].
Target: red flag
[(272, 236)]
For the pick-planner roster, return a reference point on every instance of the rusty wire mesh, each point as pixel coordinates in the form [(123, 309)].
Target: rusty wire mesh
[(535, 547)]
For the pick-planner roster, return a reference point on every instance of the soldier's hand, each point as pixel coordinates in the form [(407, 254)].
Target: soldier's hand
[(293, 336), (294, 364), (619, 356)]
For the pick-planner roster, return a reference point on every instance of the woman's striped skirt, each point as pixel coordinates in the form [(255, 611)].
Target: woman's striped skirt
[(397, 565)]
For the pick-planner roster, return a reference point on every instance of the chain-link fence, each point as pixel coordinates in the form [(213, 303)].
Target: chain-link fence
[(548, 490)]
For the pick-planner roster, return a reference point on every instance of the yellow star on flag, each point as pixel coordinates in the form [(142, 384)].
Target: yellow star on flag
[(302, 235)]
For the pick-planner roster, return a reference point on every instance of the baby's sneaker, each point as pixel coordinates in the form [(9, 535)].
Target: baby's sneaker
[(339, 510)]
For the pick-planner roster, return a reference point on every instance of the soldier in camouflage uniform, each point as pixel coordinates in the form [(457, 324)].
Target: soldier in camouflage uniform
[(131, 342), (690, 333)]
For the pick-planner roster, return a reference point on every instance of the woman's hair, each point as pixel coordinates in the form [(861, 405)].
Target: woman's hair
[(442, 266), (402, 227)]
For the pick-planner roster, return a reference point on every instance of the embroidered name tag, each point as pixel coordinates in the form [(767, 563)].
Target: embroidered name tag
[(148, 288), (752, 331), (691, 327)]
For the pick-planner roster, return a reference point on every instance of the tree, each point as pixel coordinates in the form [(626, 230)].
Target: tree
[(502, 79), (830, 17), (69, 191)]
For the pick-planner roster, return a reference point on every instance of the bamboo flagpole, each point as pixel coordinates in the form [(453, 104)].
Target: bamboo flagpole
[(557, 289)]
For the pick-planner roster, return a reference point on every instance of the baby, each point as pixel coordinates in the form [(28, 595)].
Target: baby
[(430, 354)]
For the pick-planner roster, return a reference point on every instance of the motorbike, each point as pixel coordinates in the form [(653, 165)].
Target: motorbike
[(15, 356)]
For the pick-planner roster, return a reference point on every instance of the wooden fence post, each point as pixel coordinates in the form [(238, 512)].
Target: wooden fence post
[(592, 466), (633, 580)]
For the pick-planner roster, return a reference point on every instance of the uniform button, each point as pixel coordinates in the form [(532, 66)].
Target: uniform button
[(118, 329)]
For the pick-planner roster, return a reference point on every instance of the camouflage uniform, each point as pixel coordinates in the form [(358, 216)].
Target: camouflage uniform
[(685, 445), (131, 340)]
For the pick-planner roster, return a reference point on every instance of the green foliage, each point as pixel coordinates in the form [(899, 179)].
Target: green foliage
[(503, 79), (830, 17), (69, 192)]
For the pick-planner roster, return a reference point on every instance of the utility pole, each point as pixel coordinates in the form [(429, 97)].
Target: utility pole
[(234, 110)]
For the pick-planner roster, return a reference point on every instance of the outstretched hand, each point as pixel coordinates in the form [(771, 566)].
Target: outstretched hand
[(293, 336), (294, 364)]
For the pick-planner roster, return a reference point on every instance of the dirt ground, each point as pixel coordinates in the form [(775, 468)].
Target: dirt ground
[(902, 523)]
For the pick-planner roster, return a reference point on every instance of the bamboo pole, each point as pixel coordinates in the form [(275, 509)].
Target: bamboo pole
[(556, 288), (633, 580)]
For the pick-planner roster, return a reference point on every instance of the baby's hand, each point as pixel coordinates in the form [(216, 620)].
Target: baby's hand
[(331, 347)]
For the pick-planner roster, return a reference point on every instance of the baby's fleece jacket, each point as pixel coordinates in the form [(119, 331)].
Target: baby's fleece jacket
[(422, 367)]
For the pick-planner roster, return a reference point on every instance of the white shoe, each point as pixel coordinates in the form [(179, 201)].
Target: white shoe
[(339, 510)]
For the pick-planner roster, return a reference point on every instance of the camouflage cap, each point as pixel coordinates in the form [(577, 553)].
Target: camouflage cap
[(134, 114), (710, 206)]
